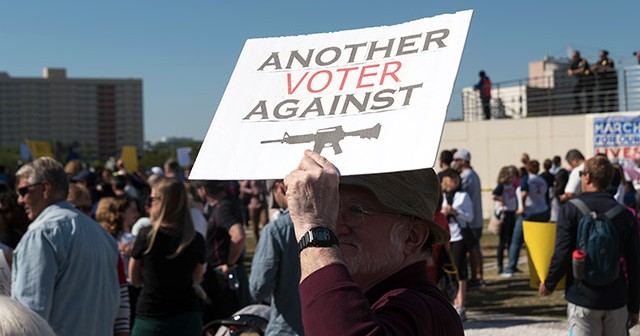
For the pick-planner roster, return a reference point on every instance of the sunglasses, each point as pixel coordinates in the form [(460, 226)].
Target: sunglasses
[(25, 190), (583, 173)]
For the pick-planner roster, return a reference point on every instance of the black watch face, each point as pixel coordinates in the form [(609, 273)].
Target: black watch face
[(323, 235)]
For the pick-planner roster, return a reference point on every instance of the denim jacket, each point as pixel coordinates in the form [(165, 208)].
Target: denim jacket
[(275, 270)]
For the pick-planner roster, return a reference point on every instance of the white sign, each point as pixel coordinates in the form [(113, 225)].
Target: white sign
[(370, 100), (184, 156)]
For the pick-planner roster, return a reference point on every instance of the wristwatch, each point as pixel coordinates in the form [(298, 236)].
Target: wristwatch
[(318, 237)]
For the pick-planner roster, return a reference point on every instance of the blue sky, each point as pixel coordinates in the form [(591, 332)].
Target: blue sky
[(185, 51)]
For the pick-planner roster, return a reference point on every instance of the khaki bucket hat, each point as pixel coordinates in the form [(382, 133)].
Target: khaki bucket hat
[(412, 192)]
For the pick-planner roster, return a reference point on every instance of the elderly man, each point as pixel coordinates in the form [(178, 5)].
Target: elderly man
[(363, 249), (65, 266)]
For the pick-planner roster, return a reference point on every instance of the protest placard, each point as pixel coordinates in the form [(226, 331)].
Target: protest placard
[(39, 148), (129, 158), (370, 100), (618, 137), (184, 156)]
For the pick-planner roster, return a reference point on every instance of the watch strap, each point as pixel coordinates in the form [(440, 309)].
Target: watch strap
[(318, 237)]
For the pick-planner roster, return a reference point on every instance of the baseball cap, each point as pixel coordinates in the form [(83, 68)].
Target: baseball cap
[(157, 171), (462, 154), (412, 192)]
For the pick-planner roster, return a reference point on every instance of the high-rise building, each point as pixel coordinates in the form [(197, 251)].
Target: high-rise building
[(96, 116)]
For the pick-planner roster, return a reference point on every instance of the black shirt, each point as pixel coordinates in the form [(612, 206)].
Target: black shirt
[(167, 283), (220, 218)]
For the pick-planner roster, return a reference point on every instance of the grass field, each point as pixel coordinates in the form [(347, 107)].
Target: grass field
[(511, 295), (500, 295)]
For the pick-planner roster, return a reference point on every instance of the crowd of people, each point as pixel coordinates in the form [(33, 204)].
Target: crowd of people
[(529, 193), (110, 252), (132, 242)]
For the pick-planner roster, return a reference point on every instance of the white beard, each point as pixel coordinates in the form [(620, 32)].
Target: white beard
[(364, 263)]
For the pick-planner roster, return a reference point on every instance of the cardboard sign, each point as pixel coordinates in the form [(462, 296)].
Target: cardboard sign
[(370, 100), (129, 157), (40, 148)]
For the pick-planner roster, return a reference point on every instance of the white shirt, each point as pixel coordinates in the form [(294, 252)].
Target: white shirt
[(574, 185), (462, 204)]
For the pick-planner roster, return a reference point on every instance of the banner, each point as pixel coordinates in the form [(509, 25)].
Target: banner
[(40, 148), (618, 137), (129, 157), (370, 100)]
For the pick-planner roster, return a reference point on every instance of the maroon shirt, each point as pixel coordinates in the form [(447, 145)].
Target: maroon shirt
[(406, 303)]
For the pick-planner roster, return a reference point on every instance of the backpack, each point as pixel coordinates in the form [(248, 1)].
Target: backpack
[(600, 241)]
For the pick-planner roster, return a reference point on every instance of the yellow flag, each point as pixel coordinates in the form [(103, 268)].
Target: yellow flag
[(40, 148), (130, 158)]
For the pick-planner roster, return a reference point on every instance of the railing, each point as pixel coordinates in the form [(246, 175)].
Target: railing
[(558, 94)]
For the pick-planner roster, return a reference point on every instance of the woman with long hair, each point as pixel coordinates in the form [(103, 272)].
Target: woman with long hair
[(116, 215), (168, 261), (506, 205)]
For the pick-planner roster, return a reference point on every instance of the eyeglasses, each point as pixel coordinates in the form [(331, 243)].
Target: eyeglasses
[(583, 173), (353, 214), (25, 190)]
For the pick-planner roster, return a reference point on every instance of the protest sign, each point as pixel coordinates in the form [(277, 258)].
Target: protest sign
[(184, 156), (370, 100), (129, 157), (25, 152), (40, 148), (618, 137)]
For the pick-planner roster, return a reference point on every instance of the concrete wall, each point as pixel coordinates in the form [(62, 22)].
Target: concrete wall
[(496, 143)]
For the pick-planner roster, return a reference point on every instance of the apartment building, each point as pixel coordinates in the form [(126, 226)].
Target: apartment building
[(98, 116)]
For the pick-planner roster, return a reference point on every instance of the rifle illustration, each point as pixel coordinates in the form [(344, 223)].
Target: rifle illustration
[(327, 137)]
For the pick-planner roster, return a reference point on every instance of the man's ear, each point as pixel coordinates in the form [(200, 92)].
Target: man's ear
[(417, 237), (47, 191)]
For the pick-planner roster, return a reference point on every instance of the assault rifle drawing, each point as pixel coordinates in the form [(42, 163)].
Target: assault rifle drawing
[(327, 137)]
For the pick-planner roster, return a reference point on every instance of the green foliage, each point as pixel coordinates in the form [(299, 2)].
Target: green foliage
[(156, 155), (9, 157), (159, 152)]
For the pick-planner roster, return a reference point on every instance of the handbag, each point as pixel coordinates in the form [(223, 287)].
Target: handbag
[(495, 222)]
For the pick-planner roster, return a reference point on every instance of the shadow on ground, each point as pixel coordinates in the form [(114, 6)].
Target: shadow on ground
[(511, 296)]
